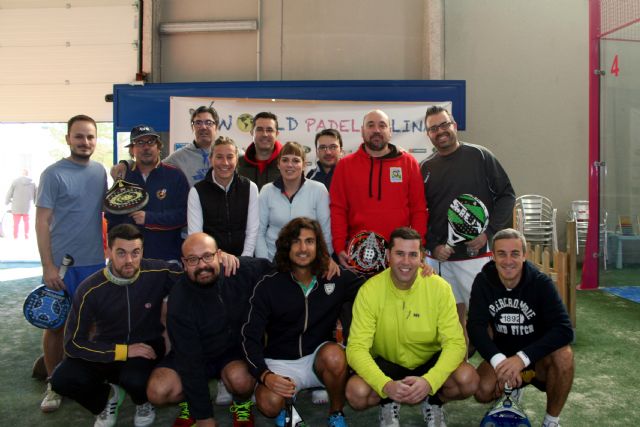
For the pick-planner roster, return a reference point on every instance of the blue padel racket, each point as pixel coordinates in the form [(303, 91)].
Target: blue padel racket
[(47, 308), (467, 217), (366, 252), (505, 413)]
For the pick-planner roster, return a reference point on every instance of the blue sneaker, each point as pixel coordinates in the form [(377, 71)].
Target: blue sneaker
[(336, 419), (280, 419)]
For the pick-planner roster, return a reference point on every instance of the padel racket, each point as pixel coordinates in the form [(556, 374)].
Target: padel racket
[(366, 252), (47, 308), (292, 417), (125, 197), (467, 217), (505, 413)]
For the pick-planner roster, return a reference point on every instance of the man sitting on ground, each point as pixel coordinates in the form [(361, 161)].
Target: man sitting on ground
[(113, 337), (521, 328), (406, 344)]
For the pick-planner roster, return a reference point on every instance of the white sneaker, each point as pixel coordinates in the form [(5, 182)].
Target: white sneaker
[(390, 415), (145, 414), (433, 415), (51, 401), (319, 397), (223, 397), (109, 415), (550, 424)]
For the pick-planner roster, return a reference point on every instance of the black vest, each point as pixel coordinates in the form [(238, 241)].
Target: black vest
[(225, 214)]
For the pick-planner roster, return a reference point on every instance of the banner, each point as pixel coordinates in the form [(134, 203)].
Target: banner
[(300, 120)]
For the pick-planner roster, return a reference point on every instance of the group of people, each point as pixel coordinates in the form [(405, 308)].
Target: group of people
[(252, 295)]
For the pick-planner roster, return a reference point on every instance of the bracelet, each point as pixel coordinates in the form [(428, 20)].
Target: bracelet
[(264, 377)]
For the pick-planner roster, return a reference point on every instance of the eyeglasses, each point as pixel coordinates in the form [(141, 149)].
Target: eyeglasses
[(207, 123), (143, 142), (441, 126), (195, 260), (334, 147)]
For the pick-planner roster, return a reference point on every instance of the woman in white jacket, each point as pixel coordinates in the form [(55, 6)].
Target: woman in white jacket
[(288, 197)]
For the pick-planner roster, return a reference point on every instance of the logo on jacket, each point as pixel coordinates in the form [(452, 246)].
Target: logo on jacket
[(395, 174), (161, 194), (329, 288), (147, 305)]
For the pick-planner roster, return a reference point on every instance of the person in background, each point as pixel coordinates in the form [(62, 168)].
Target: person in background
[(20, 196), (328, 152), (259, 163)]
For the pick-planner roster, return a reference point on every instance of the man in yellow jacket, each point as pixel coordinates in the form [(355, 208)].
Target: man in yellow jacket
[(406, 343)]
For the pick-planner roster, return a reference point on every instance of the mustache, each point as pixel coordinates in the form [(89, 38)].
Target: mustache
[(204, 270)]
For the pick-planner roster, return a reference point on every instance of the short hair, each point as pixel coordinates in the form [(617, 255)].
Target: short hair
[(223, 140), (329, 132), (509, 233), (204, 109), (80, 118), (436, 109), (291, 231), (405, 233), (265, 115), (292, 147), (125, 232)]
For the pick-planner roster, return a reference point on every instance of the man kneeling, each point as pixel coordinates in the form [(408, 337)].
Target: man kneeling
[(406, 343), (520, 327)]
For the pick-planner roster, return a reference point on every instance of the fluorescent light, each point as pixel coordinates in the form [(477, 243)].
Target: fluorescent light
[(207, 26)]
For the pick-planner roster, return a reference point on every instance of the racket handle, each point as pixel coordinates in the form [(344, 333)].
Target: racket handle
[(67, 261)]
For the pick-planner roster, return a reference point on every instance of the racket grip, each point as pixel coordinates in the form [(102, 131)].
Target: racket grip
[(67, 261)]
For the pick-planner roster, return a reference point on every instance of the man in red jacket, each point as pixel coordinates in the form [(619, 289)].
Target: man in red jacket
[(376, 189)]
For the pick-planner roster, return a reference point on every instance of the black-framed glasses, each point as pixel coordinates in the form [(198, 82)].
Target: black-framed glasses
[(207, 123), (441, 126), (195, 260), (143, 142), (328, 147)]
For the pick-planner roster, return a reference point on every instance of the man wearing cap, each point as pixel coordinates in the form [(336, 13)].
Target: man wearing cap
[(192, 159), (165, 214)]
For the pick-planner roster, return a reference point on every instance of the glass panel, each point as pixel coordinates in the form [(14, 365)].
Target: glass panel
[(620, 150)]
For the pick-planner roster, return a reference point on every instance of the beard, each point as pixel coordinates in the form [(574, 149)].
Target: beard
[(206, 282)]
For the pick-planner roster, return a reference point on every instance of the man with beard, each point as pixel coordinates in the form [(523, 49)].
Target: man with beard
[(328, 153), (206, 311), (378, 188), (259, 162), (69, 221), (113, 335), (297, 308), (162, 219), (457, 168), (192, 159)]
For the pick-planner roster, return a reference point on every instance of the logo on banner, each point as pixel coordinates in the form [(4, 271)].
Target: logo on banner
[(245, 122)]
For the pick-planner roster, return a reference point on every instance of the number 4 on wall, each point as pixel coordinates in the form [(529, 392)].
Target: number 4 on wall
[(615, 68)]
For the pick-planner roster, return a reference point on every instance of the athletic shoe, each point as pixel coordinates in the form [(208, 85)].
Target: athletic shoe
[(223, 397), (184, 418), (281, 418), (433, 414), (550, 424), (109, 415), (336, 419), (145, 414), (242, 414), (319, 397), (516, 395), (389, 415), (51, 401)]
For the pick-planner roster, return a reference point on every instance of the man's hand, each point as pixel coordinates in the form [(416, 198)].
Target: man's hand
[(140, 350), (230, 263), (333, 270), (51, 278), (508, 371), (478, 243), (396, 390), (118, 171), (419, 389), (280, 385), (427, 270), (344, 260), (138, 217), (442, 252)]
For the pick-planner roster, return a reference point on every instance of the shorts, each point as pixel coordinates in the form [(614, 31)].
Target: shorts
[(301, 371), (460, 274), (76, 275), (213, 367), (398, 372)]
